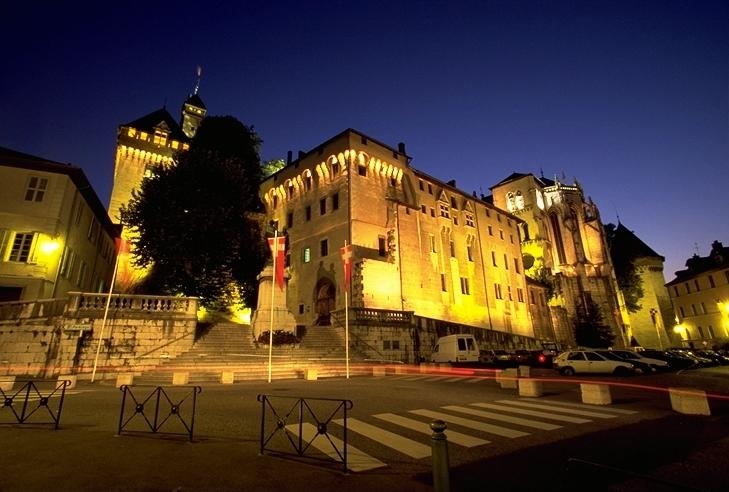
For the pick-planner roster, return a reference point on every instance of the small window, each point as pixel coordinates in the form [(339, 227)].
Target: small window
[(508, 292), (444, 210), (469, 252), (711, 282), (307, 181), (491, 231), (432, 212), (301, 309), (497, 291), (506, 262), (381, 246), (453, 202), (322, 206), (520, 294), (362, 170), (516, 265), (36, 189), (465, 290), (469, 220), (308, 212), (335, 201), (420, 184), (432, 243), (20, 250), (424, 209), (452, 246), (324, 247), (443, 282), (275, 201), (696, 284), (501, 234), (335, 169), (289, 220), (306, 255), (493, 258), (430, 189)]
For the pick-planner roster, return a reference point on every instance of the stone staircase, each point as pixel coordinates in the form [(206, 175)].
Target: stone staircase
[(230, 347)]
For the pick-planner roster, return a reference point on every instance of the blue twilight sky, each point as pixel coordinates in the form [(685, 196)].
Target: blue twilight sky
[(630, 97)]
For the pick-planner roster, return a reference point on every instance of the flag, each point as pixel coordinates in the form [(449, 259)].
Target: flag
[(121, 245), (346, 253), (278, 250)]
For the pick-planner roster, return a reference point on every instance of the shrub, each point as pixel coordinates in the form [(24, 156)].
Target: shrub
[(280, 337)]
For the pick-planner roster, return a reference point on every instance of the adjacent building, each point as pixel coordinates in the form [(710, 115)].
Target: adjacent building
[(700, 297), (55, 234)]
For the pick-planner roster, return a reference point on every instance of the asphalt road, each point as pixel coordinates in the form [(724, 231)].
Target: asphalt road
[(548, 443)]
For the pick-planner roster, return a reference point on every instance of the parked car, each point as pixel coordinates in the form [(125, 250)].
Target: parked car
[(639, 360), (640, 366), (698, 360), (588, 361), (495, 357), (455, 348), (675, 360)]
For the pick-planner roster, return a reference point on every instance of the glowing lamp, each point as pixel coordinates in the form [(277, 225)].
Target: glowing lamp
[(50, 247)]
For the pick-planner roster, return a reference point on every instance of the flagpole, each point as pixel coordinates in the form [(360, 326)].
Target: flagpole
[(273, 291), (346, 321), (106, 309)]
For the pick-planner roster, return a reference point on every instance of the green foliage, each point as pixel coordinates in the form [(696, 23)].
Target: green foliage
[(544, 277), (196, 222), (629, 282), (280, 337), (590, 331), (271, 167)]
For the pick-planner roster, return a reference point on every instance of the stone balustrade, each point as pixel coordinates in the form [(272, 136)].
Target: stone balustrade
[(89, 305)]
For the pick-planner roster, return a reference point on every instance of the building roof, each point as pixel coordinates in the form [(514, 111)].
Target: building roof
[(626, 243), (515, 176), (194, 100), (13, 158), (152, 120), (718, 258)]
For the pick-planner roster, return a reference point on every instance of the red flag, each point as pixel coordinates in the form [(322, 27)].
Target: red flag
[(279, 251), (346, 253), (121, 245)]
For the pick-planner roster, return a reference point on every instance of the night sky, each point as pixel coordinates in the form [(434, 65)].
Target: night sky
[(630, 97)]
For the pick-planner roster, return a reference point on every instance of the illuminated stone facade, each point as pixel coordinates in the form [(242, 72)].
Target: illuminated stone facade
[(419, 245), (143, 144), (700, 296), (55, 234), (650, 326), (563, 237)]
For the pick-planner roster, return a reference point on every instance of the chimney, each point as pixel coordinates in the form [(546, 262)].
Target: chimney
[(289, 157), (401, 148)]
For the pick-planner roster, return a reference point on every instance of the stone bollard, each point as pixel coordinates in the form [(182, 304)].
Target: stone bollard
[(311, 374), (689, 401), (227, 377), (7, 383), (596, 394), (441, 467), (379, 371), (124, 378), (530, 387), (524, 371), (507, 378), (180, 378), (71, 378)]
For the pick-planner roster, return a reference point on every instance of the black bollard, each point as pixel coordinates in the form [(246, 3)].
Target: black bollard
[(441, 468)]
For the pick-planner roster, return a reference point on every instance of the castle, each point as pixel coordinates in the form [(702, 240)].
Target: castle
[(418, 245)]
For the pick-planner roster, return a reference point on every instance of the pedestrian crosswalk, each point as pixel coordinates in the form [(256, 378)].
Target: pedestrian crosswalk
[(469, 425)]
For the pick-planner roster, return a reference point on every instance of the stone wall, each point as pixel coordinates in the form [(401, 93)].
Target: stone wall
[(133, 334)]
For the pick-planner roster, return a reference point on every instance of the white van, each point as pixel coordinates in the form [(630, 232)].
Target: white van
[(455, 348)]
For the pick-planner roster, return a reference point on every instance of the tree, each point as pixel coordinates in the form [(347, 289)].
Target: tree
[(629, 282), (590, 331), (272, 166), (197, 223)]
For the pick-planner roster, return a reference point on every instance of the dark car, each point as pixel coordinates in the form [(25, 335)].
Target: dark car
[(675, 360), (640, 367)]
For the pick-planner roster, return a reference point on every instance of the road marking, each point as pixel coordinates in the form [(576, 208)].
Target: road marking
[(533, 413), (472, 424), (356, 460), (582, 405), (397, 442), (454, 380), (575, 411), (423, 427), (503, 418)]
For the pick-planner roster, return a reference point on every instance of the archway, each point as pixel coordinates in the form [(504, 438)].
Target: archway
[(324, 293)]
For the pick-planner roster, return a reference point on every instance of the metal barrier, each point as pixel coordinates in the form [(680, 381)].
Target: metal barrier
[(302, 421), (33, 399), (158, 400), (582, 475)]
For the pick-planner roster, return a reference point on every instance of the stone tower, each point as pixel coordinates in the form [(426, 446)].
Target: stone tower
[(141, 145)]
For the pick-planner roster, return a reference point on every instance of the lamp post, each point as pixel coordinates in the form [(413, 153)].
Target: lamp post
[(654, 312)]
